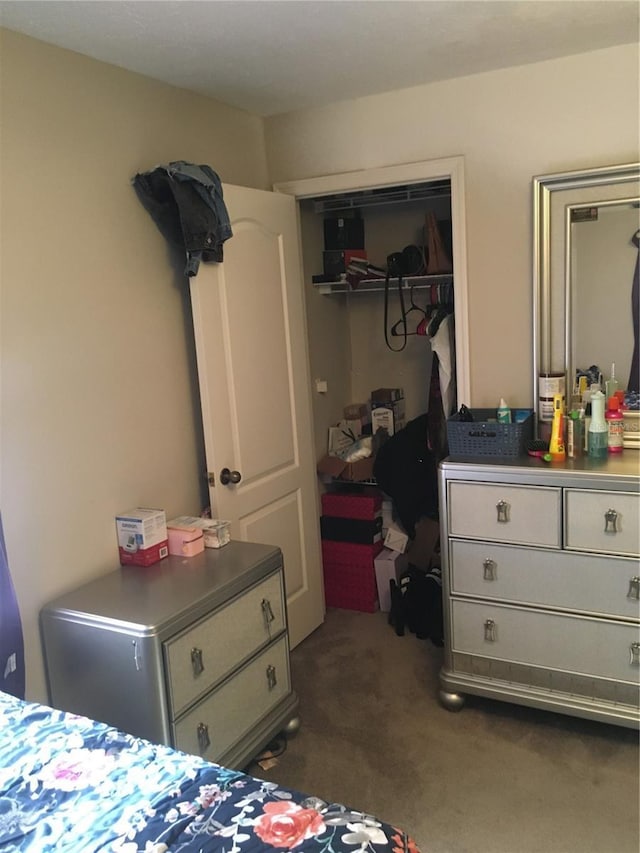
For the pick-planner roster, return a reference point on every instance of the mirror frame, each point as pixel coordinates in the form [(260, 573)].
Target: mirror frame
[(616, 179)]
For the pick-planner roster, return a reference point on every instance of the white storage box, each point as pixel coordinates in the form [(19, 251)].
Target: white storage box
[(216, 533), (343, 435), (396, 539), (389, 565), (389, 417), (142, 536)]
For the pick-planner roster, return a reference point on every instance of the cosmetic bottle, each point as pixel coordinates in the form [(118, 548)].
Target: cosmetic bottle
[(503, 412), (598, 431), (587, 422), (611, 385), (557, 450), (575, 437), (620, 394), (615, 425)]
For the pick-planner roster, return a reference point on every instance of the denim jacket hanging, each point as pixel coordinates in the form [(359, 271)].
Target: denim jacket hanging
[(187, 204)]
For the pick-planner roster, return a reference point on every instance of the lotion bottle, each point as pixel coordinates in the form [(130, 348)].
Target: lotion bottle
[(598, 430), (557, 450)]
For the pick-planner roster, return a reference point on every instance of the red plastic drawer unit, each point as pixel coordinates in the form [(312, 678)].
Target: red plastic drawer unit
[(349, 575), (364, 506)]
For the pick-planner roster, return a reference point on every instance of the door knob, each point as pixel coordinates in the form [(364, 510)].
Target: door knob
[(227, 476)]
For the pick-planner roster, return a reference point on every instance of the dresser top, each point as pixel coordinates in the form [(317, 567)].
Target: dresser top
[(619, 472), (157, 599)]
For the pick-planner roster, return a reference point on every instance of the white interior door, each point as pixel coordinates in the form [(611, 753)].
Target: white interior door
[(250, 333)]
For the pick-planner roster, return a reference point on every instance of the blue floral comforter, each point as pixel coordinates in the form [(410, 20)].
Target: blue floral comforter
[(70, 784)]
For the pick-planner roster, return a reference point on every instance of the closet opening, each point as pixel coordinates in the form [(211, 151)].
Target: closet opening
[(372, 325)]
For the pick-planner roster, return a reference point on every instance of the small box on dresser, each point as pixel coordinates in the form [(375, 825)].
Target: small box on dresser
[(142, 536)]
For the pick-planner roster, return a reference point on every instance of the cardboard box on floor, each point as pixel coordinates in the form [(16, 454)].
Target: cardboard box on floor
[(343, 435), (337, 468), (423, 548), (388, 565)]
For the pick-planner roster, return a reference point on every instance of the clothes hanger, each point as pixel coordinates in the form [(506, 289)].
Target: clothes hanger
[(402, 322)]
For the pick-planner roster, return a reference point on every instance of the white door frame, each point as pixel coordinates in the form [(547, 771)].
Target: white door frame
[(412, 173)]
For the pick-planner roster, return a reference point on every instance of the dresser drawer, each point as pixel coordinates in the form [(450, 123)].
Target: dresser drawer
[(607, 522), (235, 707), (208, 651), (559, 579), (526, 515), (596, 647)]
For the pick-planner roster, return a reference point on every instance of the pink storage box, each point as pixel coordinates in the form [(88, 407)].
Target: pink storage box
[(349, 575), (185, 541)]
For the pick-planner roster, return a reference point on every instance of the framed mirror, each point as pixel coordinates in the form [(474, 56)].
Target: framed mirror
[(585, 313)]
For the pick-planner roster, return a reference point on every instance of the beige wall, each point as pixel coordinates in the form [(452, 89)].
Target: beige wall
[(100, 409), (509, 125)]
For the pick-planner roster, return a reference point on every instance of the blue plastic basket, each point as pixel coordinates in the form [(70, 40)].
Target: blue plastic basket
[(484, 436)]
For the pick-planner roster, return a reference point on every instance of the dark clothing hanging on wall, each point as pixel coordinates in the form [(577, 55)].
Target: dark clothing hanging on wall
[(442, 385), (12, 669), (634, 374), (186, 203)]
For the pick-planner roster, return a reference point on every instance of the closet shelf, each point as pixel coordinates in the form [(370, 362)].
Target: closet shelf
[(373, 197), (376, 285)]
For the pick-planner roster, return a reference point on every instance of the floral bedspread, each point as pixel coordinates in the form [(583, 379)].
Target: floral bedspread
[(69, 784)]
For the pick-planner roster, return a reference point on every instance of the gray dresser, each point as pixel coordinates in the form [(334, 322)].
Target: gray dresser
[(541, 584), (191, 652)]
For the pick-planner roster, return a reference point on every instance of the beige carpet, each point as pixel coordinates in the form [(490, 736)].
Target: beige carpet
[(493, 778)]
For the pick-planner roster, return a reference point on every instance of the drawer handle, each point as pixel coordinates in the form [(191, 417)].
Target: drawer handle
[(204, 741), (197, 664), (634, 588), (267, 612), (503, 512), (634, 654), (489, 569), (271, 677), (136, 655), (490, 631), (611, 521)]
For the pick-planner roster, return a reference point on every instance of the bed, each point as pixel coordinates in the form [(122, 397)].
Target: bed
[(68, 783)]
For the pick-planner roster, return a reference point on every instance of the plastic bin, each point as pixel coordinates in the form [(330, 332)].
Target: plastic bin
[(484, 436)]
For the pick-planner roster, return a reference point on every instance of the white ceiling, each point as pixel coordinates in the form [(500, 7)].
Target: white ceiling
[(273, 56)]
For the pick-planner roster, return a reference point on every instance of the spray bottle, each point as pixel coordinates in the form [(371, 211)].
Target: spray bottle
[(557, 450), (598, 430)]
